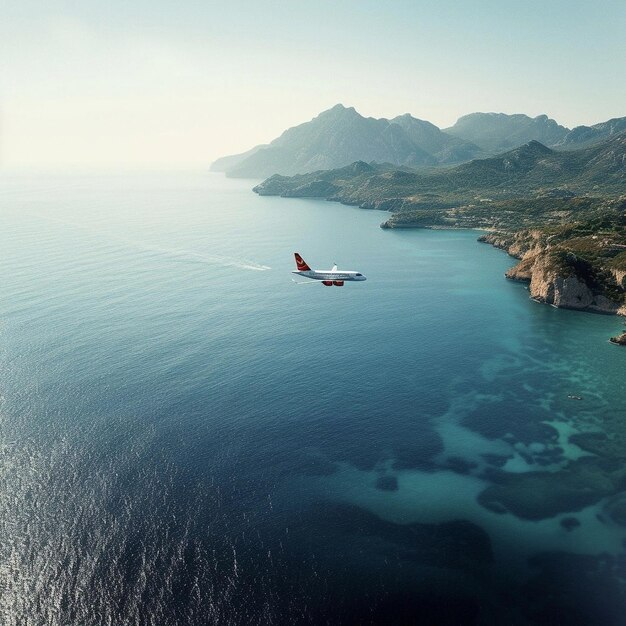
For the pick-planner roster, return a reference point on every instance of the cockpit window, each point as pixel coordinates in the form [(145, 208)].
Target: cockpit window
[(359, 274)]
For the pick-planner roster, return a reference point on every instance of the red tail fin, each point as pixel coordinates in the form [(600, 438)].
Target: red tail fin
[(301, 263)]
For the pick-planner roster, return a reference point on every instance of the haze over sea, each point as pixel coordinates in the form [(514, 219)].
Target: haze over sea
[(188, 437)]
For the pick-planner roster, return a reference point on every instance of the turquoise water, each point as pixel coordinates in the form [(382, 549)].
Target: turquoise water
[(189, 437)]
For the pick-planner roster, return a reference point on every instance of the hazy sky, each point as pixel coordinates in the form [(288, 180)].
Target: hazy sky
[(160, 82)]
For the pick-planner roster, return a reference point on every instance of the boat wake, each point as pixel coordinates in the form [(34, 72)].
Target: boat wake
[(200, 257), (173, 253)]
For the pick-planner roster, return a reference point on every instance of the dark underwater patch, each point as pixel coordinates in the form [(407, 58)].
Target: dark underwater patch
[(524, 422), (497, 460), (460, 465), (406, 608), (539, 495), (615, 508), (418, 453), (576, 589), (371, 571), (453, 544), (387, 483), (595, 442)]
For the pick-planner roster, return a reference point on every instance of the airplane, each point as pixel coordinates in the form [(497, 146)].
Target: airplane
[(328, 277)]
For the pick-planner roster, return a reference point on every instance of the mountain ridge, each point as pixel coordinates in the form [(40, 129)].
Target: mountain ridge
[(529, 170), (496, 132), (340, 136)]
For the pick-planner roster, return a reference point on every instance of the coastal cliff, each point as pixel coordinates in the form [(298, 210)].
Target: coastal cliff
[(568, 268)]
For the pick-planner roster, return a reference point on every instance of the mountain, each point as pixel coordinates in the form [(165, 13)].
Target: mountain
[(530, 169), (444, 147), (533, 166), (588, 135), (496, 132), (340, 136)]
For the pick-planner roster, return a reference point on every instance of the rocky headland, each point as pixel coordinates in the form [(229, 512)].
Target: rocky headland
[(581, 267)]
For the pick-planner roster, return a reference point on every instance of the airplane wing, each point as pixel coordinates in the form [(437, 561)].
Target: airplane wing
[(334, 268)]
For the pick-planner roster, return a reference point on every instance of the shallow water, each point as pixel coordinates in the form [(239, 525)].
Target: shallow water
[(188, 437)]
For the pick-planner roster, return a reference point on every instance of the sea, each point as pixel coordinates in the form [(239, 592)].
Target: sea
[(189, 437)]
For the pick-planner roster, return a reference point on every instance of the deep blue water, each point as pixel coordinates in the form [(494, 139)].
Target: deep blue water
[(188, 437)]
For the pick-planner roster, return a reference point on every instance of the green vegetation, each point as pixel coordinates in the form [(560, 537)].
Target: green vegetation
[(540, 180)]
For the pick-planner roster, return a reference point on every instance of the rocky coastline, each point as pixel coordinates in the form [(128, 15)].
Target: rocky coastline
[(558, 275)]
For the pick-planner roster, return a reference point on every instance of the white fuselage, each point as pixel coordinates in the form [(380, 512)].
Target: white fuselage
[(330, 274)]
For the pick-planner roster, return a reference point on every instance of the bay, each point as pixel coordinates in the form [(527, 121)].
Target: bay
[(189, 437)]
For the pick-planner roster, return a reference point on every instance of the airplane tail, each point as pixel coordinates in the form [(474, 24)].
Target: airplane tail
[(301, 263)]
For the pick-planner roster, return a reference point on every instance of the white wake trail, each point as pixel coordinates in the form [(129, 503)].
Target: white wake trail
[(213, 259), (174, 253)]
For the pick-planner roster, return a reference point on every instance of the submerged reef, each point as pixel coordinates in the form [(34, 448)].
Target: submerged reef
[(539, 495), (387, 483)]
